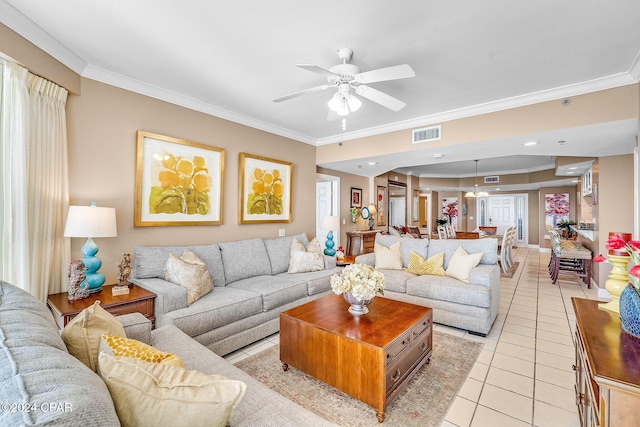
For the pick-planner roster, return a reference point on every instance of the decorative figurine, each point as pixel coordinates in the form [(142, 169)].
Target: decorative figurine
[(78, 288), (124, 267)]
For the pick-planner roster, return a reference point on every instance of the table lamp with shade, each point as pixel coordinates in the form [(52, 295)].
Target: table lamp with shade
[(372, 212), (90, 222), (330, 223)]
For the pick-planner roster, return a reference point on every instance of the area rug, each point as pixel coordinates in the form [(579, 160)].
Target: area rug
[(424, 402), (509, 272)]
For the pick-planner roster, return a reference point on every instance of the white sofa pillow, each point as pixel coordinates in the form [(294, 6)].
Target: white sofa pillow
[(388, 258), (461, 264)]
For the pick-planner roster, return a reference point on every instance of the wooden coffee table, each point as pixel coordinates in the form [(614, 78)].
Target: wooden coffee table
[(371, 357)]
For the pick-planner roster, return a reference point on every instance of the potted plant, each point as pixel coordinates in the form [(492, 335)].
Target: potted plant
[(441, 221), (564, 225)]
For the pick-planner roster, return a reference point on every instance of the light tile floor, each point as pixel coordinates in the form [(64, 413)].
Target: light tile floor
[(523, 377)]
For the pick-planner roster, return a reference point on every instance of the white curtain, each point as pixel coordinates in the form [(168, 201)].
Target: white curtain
[(35, 254)]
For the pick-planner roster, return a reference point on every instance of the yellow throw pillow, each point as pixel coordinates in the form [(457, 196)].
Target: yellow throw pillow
[(432, 266), (304, 260), (126, 347), (462, 263), (388, 258), (152, 394), (189, 272), (83, 333)]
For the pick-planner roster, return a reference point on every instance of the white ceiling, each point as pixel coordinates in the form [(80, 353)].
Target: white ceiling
[(231, 59)]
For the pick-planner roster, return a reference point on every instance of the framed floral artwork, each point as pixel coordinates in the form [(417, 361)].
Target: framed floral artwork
[(178, 182), (356, 197), (265, 190), (381, 200)]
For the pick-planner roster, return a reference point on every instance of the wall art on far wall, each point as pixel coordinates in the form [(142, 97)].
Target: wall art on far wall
[(450, 209), (356, 197), (381, 200), (178, 182), (556, 208), (265, 190)]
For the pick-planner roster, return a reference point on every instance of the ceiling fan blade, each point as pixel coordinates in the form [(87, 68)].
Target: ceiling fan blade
[(319, 70), (403, 71), (302, 92), (380, 97)]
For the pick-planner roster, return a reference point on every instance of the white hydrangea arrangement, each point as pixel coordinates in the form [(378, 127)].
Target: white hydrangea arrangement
[(362, 280)]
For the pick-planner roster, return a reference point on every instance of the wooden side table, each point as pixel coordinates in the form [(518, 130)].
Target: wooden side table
[(139, 300), (360, 242)]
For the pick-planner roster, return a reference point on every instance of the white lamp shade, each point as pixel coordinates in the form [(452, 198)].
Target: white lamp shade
[(372, 209), (330, 223), (91, 221)]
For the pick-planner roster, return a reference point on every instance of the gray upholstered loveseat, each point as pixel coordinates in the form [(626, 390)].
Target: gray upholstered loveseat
[(251, 288), (472, 306), (42, 384)]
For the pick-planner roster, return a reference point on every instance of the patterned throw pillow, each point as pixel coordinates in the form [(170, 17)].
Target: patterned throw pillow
[(462, 263), (304, 260), (388, 258), (152, 394), (432, 266), (83, 333), (126, 347), (189, 272)]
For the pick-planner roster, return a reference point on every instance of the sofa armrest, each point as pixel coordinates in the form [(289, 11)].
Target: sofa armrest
[(369, 259), (136, 326), (169, 296), (329, 262)]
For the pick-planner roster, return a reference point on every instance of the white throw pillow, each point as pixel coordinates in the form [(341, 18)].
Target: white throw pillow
[(462, 263), (189, 272), (304, 260), (388, 258)]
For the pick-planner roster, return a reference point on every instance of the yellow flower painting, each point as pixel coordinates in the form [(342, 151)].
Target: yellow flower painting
[(184, 186), (265, 186), (266, 197)]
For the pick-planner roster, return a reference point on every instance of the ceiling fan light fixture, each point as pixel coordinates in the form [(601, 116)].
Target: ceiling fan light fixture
[(343, 109), (354, 103)]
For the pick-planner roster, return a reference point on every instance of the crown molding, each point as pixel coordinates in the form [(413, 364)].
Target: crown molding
[(114, 79), (609, 82), (634, 71), (28, 29)]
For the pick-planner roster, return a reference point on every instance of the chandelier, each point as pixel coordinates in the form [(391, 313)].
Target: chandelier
[(476, 192)]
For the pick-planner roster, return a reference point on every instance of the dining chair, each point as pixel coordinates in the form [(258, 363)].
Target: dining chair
[(442, 232)]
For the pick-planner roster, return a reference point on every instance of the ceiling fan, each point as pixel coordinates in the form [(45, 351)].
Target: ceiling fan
[(346, 77)]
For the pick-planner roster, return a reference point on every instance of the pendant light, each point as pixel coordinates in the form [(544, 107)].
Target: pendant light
[(476, 192)]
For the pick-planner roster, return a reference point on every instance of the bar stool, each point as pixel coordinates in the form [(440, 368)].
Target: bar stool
[(569, 257)]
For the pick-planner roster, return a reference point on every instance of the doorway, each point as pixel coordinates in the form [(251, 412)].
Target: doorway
[(327, 204), (504, 211), (397, 204)]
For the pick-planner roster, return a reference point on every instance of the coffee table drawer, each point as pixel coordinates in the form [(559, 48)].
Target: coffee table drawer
[(421, 328), (398, 347), (403, 366)]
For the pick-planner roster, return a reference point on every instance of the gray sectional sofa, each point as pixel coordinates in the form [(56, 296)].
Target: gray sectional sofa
[(472, 306), (251, 288), (42, 384)]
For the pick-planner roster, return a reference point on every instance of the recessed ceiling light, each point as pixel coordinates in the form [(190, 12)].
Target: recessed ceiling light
[(574, 180), (531, 143), (438, 156), (372, 163), (570, 173), (573, 168)]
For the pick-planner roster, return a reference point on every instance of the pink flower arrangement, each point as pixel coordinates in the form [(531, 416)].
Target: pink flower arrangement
[(619, 246)]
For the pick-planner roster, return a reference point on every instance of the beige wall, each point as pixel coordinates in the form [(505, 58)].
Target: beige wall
[(102, 125)]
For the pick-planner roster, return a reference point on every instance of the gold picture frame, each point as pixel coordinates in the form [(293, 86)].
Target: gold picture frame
[(265, 190), (178, 182)]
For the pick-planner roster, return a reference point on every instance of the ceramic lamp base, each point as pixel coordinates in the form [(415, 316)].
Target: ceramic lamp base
[(329, 243)]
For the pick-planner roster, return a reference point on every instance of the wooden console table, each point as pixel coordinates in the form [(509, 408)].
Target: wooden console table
[(607, 368), (361, 242), (138, 300)]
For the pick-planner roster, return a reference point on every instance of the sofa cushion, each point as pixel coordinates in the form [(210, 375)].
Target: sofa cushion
[(275, 290), (149, 261), (446, 288), (158, 394), (317, 281), (388, 258), (279, 250), (116, 347), (461, 264), (36, 367), (189, 272), (83, 333), (488, 246), (244, 259), (214, 310), (396, 280), (419, 246), (432, 266), (306, 259)]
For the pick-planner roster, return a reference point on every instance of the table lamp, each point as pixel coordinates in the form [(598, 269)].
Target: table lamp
[(372, 212), (91, 221), (330, 223)]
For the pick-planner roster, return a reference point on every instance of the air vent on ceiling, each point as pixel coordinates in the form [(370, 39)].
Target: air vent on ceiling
[(427, 134), (491, 179)]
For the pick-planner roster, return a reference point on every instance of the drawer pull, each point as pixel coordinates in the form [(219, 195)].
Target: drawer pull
[(396, 376), (423, 347)]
